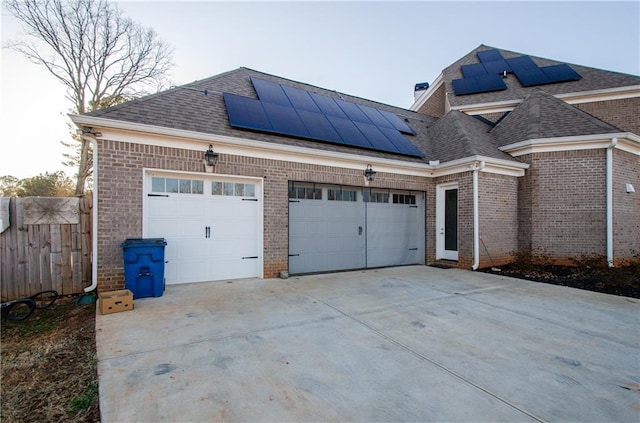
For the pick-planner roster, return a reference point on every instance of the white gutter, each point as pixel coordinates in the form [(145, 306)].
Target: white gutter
[(477, 167), (610, 148), (94, 218)]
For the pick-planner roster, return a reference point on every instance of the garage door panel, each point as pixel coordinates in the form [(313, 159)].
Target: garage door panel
[(355, 234), (195, 254)]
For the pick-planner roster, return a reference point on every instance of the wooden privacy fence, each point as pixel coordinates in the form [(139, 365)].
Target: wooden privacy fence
[(45, 243)]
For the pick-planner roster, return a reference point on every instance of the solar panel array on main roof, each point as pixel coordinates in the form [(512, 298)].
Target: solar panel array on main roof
[(485, 76), (285, 110)]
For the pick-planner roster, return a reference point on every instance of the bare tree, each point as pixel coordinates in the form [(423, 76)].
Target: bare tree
[(101, 56)]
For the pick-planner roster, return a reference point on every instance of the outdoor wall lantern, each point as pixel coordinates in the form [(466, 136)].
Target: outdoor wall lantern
[(369, 173), (210, 156)]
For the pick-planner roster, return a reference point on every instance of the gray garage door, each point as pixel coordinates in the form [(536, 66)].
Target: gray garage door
[(340, 228)]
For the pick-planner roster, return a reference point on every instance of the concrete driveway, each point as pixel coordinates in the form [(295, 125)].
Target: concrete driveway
[(410, 344)]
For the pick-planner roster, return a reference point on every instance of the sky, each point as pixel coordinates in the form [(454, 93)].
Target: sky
[(371, 49)]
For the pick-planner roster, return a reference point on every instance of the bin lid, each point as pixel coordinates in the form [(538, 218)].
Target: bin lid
[(144, 242)]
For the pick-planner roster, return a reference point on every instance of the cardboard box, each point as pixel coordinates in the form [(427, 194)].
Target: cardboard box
[(115, 301)]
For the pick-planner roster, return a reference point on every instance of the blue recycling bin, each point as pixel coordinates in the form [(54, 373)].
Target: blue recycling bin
[(144, 266)]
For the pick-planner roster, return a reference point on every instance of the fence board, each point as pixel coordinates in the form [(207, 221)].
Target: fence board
[(36, 257)]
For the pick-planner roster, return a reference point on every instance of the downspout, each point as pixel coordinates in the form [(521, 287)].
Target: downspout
[(610, 148), (94, 223), (477, 167)]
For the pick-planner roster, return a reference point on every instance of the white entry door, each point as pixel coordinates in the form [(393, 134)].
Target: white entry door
[(212, 226), (447, 222)]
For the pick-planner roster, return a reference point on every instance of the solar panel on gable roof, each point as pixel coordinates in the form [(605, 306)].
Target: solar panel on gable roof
[(349, 133), (352, 111), (521, 63), (490, 82), (560, 73), (300, 99), (375, 116), (496, 67), (489, 55), (465, 86), (476, 69), (376, 138), (327, 105), (270, 92), (246, 112), (397, 123), (319, 126), (285, 120), (527, 72)]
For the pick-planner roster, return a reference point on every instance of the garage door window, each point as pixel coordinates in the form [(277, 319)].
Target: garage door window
[(375, 197), (404, 199), (342, 195), (175, 185), (233, 189), (304, 193)]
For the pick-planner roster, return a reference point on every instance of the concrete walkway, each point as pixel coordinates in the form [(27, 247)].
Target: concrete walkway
[(412, 344)]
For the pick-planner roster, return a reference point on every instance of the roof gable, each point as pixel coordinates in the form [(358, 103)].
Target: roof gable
[(541, 115), (591, 79)]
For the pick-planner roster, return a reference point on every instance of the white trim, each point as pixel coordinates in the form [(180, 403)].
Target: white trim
[(169, 137), (424, 96), (628, 142), (609, 190), (581, 97), (441, 253)]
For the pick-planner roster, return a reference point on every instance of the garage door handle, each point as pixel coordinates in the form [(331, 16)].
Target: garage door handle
[(207, 231), (359, 230), (252, 257), (249, 199)]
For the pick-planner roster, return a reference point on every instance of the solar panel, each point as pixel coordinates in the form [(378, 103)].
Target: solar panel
[(319, 126), (479, 84), (270, 92), (560, 73), (349, 132), (300, 99), (376, 137), (246, 112), (497, 67), (489, 55), (328, 106), (375, 116), (397, 123), (285, 120), (527, 72), (291, 111), (476, 69)]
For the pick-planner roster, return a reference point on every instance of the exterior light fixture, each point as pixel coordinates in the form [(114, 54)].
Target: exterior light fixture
[(210, 156), (369, 173)]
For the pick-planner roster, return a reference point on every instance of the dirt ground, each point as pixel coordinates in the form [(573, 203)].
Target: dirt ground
[(49, 366)]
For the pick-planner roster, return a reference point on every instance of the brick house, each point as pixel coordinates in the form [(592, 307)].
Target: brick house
[(503, 154)]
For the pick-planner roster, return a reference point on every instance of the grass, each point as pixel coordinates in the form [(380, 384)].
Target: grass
[(49, 366)]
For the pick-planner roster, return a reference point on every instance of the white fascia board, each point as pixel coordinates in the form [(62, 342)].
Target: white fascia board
[(608, 94), (491, 165), (178, 138), (571, 98), (626, 141), (424, 96)]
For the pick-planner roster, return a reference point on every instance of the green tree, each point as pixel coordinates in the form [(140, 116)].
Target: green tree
[(101, 56), (55, 184)]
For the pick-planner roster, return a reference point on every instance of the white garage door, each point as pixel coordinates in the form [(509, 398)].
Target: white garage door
[(339, 228), (212, 226)]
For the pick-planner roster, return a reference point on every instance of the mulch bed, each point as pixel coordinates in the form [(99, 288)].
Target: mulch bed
[(624, 281), (49, 366)]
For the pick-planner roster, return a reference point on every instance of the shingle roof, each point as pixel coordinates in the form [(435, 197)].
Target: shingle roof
[(187, 108), (459, 135), (592, 79), (541, 115)]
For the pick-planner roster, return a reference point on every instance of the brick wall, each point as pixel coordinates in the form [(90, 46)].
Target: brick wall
[(498, 218), (623, 113), (435, 106), (120, 195), (626, 206), (563, 216)]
